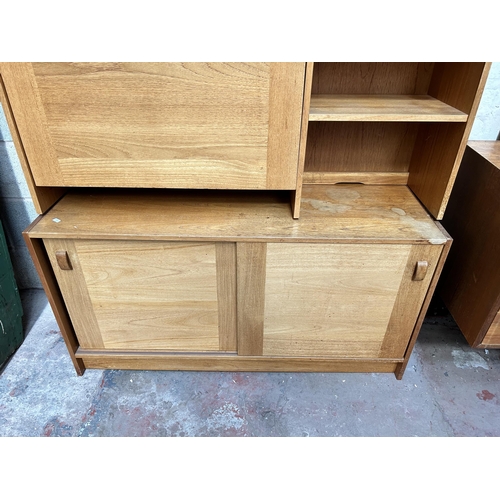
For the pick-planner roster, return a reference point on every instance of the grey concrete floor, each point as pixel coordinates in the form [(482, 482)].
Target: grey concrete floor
[(448, 389)]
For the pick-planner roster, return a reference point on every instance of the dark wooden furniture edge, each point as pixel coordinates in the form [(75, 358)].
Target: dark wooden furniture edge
[(49, 283)]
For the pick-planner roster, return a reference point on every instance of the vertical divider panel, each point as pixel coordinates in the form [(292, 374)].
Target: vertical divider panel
[(251, 284), (285, 110), (440, 146), (297, 194), (225, 258)]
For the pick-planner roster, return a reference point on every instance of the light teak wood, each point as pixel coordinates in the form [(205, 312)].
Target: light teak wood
[(238, 274), (149, 295), (388, 108), (360, 299), (180, 125), (430, 292), (492, 336), (420, 271), (251, 297), (374, 178), (43, 197), (341, 213), (360, 146), (63, 261), (353, 107), (297, 194)]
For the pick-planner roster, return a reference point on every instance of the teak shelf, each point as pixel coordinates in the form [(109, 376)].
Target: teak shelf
[(195, 216), (382, 108)]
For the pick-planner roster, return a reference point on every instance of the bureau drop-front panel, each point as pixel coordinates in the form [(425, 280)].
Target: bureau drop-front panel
[(178, 125)]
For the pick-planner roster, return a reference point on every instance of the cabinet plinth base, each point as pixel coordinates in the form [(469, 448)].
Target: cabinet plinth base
[(229, 362)]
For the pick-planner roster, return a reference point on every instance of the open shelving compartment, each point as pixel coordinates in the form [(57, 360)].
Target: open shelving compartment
[(395, 123)]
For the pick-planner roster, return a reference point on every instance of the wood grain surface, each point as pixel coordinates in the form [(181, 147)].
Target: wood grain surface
[(360, 146), (439, 148), (470, 283), (371, 77), (487, 149), (43, 197), (182, 125), (297, 194), (423, 310), (44, 269), (213, 362), (376, 178), (409, 300), (492, 337), (251, 272), (76, 294), (225, 257), (382, 108), (330, 300), (143, 295), (340, 213)]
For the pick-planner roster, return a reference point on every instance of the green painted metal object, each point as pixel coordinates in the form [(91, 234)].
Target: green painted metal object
[(11, 312)]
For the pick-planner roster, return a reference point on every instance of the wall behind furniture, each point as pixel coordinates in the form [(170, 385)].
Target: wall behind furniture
[(487, 123), (17, 210)]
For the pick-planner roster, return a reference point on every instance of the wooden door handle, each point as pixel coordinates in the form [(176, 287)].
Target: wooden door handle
[(62, 258), (420, 270)]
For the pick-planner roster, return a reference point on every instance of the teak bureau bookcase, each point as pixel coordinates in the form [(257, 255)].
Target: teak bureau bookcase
[(240, 216)]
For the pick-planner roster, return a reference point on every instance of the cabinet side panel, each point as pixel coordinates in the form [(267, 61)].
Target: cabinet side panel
[(43, 197), (44, 269), (457, 83), (285, 115), (29, 114), (439, 147)]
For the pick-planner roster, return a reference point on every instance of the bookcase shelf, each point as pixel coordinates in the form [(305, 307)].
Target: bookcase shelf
[(382, 108)]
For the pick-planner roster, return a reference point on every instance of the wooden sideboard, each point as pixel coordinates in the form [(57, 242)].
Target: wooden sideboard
[(470, 286), (243, 216)]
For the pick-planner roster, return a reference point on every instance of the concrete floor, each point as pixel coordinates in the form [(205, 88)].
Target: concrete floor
[(448, 389)]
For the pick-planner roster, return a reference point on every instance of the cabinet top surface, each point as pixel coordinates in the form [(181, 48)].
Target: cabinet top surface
[(329, 213), (488, 149)]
